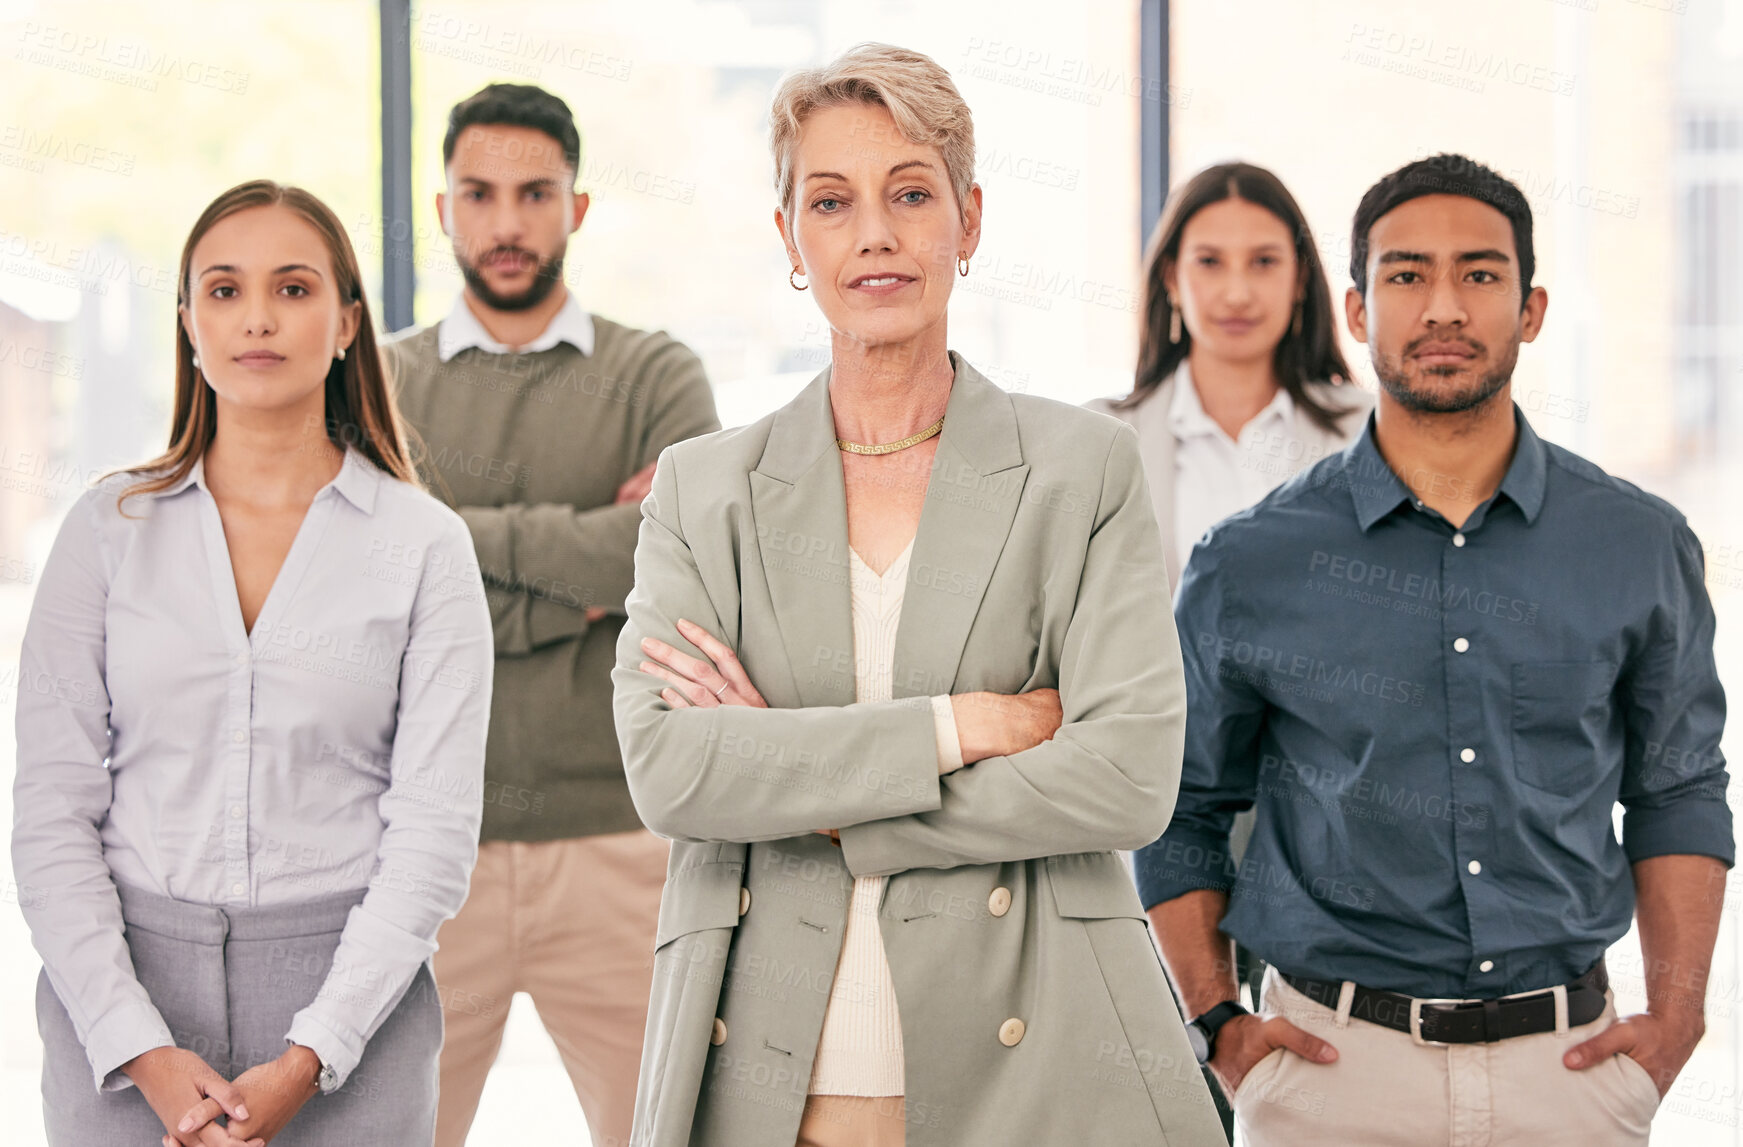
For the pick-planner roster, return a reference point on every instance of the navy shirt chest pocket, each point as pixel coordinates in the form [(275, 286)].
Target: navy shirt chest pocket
[(1561, 710)]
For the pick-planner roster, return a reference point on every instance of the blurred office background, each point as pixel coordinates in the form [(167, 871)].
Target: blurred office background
[(1622, 120)]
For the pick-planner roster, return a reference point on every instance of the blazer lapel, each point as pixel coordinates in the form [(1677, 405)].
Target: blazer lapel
[(800, 506), (975, 487)]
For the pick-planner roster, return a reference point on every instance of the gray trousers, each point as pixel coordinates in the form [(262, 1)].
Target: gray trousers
[(227, 982)]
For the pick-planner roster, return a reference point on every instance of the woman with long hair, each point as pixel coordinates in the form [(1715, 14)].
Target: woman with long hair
[(1240, 383), (897, 682), (250, 755)]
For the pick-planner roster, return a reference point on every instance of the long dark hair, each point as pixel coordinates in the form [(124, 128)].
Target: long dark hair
[(1311, 356), (360, 410)]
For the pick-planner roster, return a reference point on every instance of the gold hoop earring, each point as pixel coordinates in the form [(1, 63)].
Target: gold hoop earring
[(1173, 323), (962, 265), (794, 285)]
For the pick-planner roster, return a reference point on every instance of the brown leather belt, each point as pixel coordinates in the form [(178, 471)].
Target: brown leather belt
[(1436, 1021)]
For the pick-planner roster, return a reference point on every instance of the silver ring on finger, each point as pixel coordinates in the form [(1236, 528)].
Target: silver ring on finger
[(721, 690)]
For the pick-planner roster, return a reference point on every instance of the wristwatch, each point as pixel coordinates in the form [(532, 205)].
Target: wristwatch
[(327, 1079), (1201, 1031)]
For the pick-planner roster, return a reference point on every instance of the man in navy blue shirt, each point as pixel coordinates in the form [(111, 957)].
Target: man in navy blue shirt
[(1435, 663)]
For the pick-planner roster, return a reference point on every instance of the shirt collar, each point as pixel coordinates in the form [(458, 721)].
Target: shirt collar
[(358, 480), (195, 475), (1186, 416), (1377, 491), (461, 329), (1525, 480)]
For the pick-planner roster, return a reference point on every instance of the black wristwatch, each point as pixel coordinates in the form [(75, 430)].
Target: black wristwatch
[(1201, 1031)]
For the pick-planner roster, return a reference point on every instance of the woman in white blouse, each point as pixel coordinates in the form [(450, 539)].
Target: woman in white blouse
[(1240, 383), (251, 731)]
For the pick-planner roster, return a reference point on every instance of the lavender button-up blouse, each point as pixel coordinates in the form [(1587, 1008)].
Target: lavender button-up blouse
[(337, 747)]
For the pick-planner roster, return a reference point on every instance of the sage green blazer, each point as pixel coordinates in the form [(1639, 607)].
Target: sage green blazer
[(1033, 1005)]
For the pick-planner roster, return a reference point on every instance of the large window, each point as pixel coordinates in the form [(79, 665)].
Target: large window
[(672, 101)]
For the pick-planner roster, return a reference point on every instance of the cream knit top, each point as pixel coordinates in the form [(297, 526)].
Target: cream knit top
[(860, 1050)]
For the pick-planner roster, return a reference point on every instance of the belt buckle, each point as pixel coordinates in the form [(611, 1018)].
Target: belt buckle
[(1416, 1021)]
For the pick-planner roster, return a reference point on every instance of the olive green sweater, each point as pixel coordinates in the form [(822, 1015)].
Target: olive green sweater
[(530, 449)]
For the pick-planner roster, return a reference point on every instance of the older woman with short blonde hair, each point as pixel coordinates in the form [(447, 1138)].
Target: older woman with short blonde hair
[(897, 682)]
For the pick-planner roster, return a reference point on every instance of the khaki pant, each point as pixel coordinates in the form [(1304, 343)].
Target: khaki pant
[(571, 923), (853, 1121), (1386, 1090)]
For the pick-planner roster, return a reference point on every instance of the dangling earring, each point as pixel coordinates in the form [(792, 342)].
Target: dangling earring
[(1295, 327), (794, 285), (341, 355), (1173, 323), (962, 265)]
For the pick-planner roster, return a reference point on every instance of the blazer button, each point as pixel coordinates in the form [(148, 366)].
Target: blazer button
[(999, 902), (718, 1036), (743, 901), (1010, 1032)]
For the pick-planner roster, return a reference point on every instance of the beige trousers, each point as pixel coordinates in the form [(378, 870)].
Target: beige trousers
[(1385, 1090), (571, 923), (853, 1121)]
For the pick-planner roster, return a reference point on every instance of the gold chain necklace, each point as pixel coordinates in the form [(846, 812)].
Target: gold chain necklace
[(892, 447)]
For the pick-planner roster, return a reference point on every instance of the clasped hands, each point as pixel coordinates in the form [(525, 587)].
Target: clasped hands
[(987, 724), (188, 1095)]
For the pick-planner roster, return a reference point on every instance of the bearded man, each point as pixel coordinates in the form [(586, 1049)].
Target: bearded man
[(541, 423), (1434, 664)]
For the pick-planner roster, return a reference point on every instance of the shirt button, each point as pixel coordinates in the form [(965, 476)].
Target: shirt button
[(1458, 539), (1460, 644), (1011, 1032), (1474, 867), (236, 812), (743, 901), (999, 902), (1486, 966), (238, 888), (718, 1035), (239, 736), (1467, 755)]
